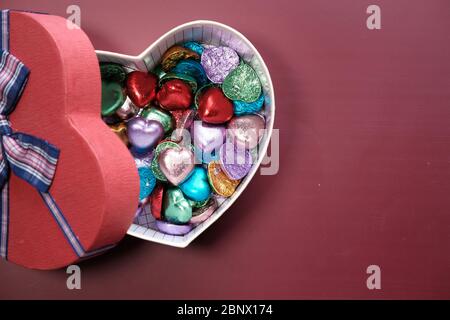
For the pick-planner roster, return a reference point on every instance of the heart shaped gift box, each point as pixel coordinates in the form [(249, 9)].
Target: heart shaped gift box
[(96, 185)]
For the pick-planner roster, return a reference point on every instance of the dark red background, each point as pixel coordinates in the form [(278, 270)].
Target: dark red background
[(364, 119)]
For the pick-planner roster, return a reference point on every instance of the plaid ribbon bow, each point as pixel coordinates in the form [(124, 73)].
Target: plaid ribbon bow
[(30, 158)]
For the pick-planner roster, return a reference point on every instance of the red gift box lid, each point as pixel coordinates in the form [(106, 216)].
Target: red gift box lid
[(95, 182)]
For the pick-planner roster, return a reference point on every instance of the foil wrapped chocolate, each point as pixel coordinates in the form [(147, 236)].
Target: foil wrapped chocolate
[(218, 62), (174, 54), (242, 84)]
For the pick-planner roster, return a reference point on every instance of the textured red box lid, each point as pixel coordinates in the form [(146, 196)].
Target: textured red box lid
[(96, 182)]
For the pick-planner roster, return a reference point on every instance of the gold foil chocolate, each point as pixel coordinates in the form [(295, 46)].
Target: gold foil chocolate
[(221, 184), (175, 54)]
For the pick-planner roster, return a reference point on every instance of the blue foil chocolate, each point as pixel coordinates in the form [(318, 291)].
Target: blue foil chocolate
[(194, 46), (242, 108), (192, 68), (196, 187), (147, 182)]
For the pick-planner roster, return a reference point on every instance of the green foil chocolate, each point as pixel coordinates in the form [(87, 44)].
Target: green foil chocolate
[(160, 115), (242, 84), (112, 72), (198, 204), (176, 209), (113, 97)]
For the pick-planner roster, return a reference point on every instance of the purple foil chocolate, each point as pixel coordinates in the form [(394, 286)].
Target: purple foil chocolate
[(207, 137), (173, 229), (236, 162), (218, 62)]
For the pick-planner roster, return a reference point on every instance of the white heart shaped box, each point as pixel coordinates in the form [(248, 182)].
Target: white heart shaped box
[(208, 32)]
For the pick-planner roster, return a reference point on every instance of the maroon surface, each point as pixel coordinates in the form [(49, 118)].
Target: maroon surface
[(364, 176)]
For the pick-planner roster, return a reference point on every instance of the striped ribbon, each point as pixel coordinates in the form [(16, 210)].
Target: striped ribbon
[(30, 158)]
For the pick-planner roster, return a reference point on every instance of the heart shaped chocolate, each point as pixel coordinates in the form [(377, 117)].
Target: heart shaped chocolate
[(176, 164), (176, 207), (235, 161), (144, 134), (174, 94), (219, 62), (207, 137), (246, 131), (242, 84), (214, 107), (141, 87), (196, 187)]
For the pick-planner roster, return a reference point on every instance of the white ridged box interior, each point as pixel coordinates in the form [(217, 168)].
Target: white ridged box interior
[(207, 32)]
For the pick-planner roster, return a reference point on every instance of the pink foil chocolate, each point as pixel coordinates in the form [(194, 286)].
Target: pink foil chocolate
[(246, 131), (176, 164)]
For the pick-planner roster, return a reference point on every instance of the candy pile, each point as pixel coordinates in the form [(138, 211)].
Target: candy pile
[(193, 125)]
